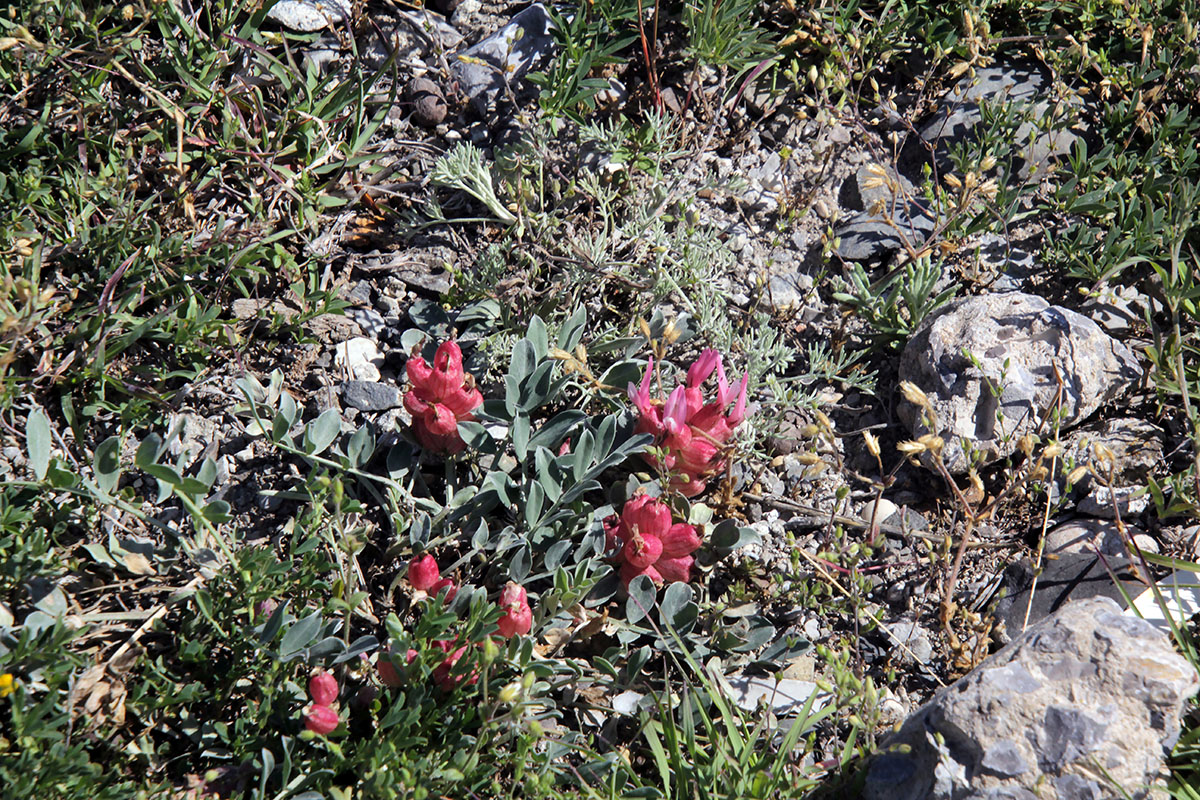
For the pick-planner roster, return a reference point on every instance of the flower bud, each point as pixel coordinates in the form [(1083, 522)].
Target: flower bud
[(932, 443), (423, 573), (913, 394), (510, 694), (449, 585), (872, 443), (323, 688), (517, 616), (321, 719)]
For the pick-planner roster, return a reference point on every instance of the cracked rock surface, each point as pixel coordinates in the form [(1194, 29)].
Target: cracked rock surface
[(1083, 705), (995, 364)]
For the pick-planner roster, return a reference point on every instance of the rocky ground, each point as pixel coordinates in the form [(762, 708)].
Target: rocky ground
[(949, 441)]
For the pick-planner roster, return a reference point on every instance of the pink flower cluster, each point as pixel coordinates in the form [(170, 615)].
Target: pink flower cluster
[(320, 716), (692, 433), (516, 619), (441, 397), (645, 542)]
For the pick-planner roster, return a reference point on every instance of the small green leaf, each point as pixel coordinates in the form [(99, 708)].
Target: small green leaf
[(301, 634), (641, 599), (524, 360), (676, 596), (106, 462), (37, 442), (321, 432)]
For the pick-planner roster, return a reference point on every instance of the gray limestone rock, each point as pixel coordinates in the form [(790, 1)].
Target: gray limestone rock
[(369, 396), (1136, 445), (504, 56), (1045, 126), (309, 15), (875, 183), (1082, 556), (993, 365), (873, 237), (1085, 704)]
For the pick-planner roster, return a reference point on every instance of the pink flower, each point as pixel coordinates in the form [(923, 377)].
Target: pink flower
[(644, 541), (441, 674), (692, 434), (441, 397), (423, 573), (517, 616), (323, 688), (445, 583), (387, 672), (321, 719)]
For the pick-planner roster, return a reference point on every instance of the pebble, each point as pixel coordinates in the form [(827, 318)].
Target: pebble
[(360, 357), (370, 396), (306, 16), (429, 104)]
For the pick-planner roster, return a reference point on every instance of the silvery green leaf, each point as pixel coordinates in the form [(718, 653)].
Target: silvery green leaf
[(552, 434), (321, 432), (556, 554), (641, 599), (519, 564), (675, 597), (274, 623), (106, 464), (538, 337), (533, 505), (571, 333), (300, 634), (520, 436), (524, 360), (38, 441)]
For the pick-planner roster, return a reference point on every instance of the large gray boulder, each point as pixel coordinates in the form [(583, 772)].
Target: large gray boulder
[(1086, 704), (993, 365)]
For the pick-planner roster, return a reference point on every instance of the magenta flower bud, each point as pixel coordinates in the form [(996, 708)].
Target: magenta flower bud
[(321, 719), (449, 585), (423, 573), (323, 688), (517, 616), (698, 373)]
